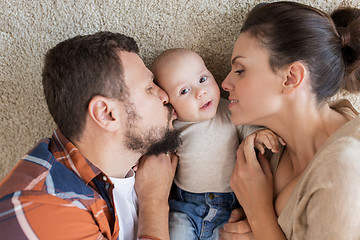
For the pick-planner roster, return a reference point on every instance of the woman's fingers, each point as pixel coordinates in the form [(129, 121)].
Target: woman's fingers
[(237, 215), (249, 151), (239, 230), (238, 227), (240, 160), (234, 236), (265, 165)]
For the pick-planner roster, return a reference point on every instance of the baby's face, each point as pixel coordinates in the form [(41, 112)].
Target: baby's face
[(191, 87)]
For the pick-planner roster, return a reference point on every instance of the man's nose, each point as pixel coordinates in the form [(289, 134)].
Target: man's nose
[(162, 95)]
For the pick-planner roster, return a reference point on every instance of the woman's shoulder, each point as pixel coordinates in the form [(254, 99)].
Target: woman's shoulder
[(344, 107), (339, 155), (347, 137)]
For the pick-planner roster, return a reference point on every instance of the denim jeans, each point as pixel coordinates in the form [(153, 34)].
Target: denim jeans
[(199, 215)]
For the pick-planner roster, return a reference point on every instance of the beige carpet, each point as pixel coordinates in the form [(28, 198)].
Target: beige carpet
[(29, 28)]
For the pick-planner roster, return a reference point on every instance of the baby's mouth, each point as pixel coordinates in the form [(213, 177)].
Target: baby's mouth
[(174, 114), (206, 105)]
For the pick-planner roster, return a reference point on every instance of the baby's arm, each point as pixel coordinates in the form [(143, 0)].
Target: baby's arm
[(266, 138)]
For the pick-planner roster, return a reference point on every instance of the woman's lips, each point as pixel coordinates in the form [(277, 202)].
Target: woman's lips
[(233, 102)]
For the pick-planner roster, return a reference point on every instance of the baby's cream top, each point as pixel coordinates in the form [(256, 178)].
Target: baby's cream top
[(208, 153)]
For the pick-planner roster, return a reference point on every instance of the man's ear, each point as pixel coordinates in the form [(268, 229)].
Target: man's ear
[(295, 75), (101, 110)]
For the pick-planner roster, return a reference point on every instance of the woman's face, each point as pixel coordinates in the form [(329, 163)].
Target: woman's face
[(255, 90)]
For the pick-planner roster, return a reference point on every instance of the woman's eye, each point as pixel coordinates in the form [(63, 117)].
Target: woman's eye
[(239, 72), (203, 79), (184, 91)]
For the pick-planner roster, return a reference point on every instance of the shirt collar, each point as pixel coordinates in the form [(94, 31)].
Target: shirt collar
[(64, 151)]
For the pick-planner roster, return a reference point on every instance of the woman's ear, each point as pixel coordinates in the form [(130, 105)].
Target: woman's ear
[(101, 110), (295, 75)]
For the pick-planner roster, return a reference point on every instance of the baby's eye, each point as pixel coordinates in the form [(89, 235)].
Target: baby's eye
[(184, 91), (203, 79), (239, 72)]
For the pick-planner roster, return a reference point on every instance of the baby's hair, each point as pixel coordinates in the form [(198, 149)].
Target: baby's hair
[(169, 53), (329, 47), (166, 56)]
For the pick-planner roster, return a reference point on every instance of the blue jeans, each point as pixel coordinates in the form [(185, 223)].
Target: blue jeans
[(199, 215)]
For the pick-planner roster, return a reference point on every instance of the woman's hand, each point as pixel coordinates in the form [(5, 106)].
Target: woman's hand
[(251, 178), (237, 228), (252, 182)]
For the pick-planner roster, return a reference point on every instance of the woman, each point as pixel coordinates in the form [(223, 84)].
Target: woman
[(287, 62)]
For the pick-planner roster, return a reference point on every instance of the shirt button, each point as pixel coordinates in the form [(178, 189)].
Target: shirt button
[(104, 178), (211, 196)]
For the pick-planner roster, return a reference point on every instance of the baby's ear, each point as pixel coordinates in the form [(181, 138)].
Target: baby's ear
[(295, 75), (101, 111)]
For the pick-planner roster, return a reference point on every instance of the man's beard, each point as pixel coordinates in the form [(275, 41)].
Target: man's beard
[(153, 141), (169, 143), (153, 144)]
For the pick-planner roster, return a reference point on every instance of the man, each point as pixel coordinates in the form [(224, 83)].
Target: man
[(109, 113)]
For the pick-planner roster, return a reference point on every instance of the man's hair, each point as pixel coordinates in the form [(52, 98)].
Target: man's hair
[(80, 68)]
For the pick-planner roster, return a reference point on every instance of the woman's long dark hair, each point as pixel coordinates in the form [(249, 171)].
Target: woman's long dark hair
[(328, 46)]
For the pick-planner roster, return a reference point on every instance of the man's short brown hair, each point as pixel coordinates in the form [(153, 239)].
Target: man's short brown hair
[(80, 68)]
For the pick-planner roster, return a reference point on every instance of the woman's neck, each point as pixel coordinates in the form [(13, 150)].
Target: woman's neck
[(303, 133)]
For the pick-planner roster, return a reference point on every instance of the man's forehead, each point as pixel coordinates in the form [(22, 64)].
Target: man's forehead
[(134, 69), (129, 57)]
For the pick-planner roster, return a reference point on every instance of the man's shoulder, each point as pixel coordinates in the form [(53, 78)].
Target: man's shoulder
[(42, 188), (39, 172)]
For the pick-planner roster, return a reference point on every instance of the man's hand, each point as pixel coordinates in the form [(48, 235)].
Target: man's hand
[(153, 182)]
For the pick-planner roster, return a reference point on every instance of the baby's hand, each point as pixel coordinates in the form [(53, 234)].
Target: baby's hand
[(267, 138)]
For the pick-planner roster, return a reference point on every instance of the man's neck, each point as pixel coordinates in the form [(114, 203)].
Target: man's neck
[(105, 153)]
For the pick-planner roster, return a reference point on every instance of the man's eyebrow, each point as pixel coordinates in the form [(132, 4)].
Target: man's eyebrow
[(234, 59)]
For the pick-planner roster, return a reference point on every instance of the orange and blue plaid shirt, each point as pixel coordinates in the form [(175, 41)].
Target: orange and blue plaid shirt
[(54, 192)]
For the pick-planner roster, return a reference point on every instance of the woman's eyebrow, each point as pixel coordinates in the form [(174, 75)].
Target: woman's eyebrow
[(234, 59)]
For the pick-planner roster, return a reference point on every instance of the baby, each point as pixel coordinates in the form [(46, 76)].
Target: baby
[(203, 200)]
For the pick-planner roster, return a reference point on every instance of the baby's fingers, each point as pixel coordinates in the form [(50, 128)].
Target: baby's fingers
[(281, 141), (259, 146), (268, 140)]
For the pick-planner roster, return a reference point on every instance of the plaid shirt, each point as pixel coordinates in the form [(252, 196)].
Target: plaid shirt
[(55, 192)]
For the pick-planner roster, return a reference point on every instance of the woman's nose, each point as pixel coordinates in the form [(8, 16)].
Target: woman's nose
[(226, 84)]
